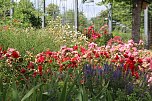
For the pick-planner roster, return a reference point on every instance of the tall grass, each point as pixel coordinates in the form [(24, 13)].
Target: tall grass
[(23, 40), (37, 40)]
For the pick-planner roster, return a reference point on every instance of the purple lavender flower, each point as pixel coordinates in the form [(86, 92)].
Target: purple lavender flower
[(129, 88), (117, 74)]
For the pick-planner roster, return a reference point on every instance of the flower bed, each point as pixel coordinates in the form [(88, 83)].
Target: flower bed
[(116, 65)]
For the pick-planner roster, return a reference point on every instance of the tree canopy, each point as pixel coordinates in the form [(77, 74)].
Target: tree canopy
[(26, 12), (52, 10)]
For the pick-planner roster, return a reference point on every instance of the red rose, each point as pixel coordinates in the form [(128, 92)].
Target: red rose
[(4, 52), (125, 55), (140, 61), (136, 75), (34, 74), (48, 53), (97, 55), (15, 54), (23, 71), (50, 61), (131, 58), (83, 50), (41, 59), (121, 60), (40, 68), (0, 48), (116, 57), (75, 47), (31, 65), (74, 60)]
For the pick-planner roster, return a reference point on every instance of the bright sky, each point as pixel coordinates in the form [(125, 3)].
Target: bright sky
[(89, 9)]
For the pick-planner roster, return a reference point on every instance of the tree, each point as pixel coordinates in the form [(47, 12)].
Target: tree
[(26, 12), (52, 10), (122, 13), (5, 6), (136, 15)]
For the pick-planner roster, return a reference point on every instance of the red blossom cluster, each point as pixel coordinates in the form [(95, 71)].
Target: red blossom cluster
[(115, 40), (126, 54), (92, 34)]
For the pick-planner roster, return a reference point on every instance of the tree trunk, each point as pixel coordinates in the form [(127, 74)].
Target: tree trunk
[(136, 19)]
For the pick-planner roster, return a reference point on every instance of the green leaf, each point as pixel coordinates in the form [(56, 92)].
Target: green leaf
[(15, 96), (64, 90), (109, 96), (149, 96), (85, 96), (1, 87), (82, 96), (1, 83), (75, 80), (100, 94), (63, 94), (79, 97), (31, 92)]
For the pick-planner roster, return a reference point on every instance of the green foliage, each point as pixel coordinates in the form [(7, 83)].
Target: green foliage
[(36, 40), (83, 22), (33, 90), (53, 10), (103, 40), (125, 36), (150, 9), (28, 39), (5, 6), (23, 11), (26, 13), (122, 13)]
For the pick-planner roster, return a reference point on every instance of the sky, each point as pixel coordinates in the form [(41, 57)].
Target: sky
[(90, 9)]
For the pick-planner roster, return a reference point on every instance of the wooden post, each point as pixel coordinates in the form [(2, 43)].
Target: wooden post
[(43, 17), (76, 15), (146, 28), (11, 10), (110, 18)]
